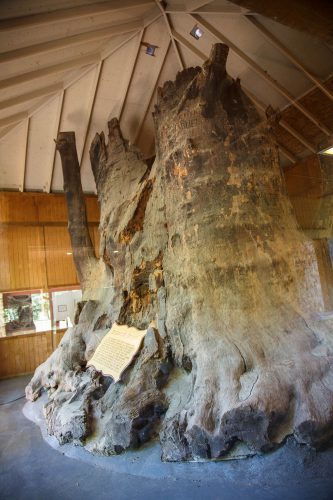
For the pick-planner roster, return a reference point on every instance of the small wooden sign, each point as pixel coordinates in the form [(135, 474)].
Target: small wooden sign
[(117, 350)]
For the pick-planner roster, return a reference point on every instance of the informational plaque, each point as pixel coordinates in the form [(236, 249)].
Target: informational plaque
[(117, 350)]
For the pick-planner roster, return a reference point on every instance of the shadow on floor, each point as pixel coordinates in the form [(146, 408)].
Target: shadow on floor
[(31, 470)]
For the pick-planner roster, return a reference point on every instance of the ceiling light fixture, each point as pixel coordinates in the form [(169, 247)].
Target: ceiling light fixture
[(327, 151), (150, 49), (196, 32)]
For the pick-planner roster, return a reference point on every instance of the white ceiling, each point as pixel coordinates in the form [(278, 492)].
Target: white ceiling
[(74, 64)]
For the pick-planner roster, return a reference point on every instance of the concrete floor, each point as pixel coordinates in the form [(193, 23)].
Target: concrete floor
[(31, 469)]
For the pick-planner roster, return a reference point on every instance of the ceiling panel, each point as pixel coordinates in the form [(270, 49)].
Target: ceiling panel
[(245, 36), (13, 8), (317, 57), (126, 87), (41, 147), (19, 108), (23, 65), (143, 79), (33, 85), (75, 116), (27, 36), (146, 140), (111, 91), (12, 155)]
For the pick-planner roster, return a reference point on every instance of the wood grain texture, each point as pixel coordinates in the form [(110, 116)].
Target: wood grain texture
[(309, 184), (21, 354), (59, 262), (204, 250), (41, 208), (22, 260), (34, 240)]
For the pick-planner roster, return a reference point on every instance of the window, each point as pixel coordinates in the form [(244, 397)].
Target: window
[(37, 311), (64, 306)]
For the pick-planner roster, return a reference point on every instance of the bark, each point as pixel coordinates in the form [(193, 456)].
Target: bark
[(84, 256), (204, 244)]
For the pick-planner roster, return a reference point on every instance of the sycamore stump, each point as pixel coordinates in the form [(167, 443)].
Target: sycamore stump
[(204, 242)]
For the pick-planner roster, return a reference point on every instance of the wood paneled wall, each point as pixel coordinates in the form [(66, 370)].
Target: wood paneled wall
[(59, 262), (22, 354), (22, 263), (309, 185), (35, 250), (41, 208)]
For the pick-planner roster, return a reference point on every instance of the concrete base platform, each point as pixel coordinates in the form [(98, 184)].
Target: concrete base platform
[(37, 468)]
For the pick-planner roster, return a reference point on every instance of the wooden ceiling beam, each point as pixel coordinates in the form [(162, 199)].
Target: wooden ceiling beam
[(283, 91), (185, 43), (13, 101), (287, 53), (196, 4), (206, 8), (24, 163), (205, 12), (153, 16), (96, 58), (63, 15), (60, 108), (92, 99), (312, 17), (7, 129), (137, 134), (297, 135), (170, 31), (14, 119), (71, 41), (49, 70), (104, 56), (287, 154), (131, 74), (9, 120)]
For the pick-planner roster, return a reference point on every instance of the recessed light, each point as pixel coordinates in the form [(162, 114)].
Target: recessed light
[(196, 32), (327, 151), (150, 49), (115, 251), (68, 253)]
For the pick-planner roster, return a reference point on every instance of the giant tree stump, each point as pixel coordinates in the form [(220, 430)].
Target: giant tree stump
[(206, 246)]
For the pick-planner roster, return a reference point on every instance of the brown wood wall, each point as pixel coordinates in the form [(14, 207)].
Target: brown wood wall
[(22, 354), (309, 185), (35, 252), (34, 241)]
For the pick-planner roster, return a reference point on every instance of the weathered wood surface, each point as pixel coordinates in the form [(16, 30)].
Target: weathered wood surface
[(205, 245), (83, 250)]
